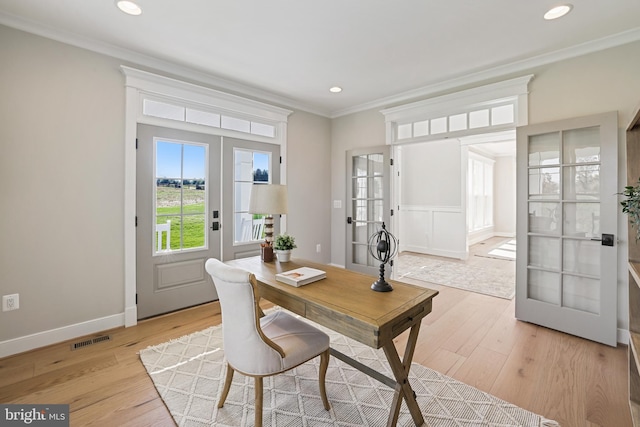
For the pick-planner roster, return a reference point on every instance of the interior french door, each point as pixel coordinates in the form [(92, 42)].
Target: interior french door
[(177, 216), (566, 269), (368, 205)]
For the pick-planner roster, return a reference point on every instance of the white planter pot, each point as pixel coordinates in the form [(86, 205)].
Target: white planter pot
[(283, 256)]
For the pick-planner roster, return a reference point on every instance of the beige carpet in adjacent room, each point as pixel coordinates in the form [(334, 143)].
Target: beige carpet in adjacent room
[(189, 374)]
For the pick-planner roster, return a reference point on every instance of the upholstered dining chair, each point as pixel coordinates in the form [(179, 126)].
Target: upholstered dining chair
[(261, 346)]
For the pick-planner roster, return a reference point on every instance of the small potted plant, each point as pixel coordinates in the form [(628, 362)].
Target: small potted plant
[(631, 206), (283, 246)]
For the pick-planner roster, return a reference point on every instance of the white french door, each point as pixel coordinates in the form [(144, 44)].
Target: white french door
[(566, 270), (368, 204)]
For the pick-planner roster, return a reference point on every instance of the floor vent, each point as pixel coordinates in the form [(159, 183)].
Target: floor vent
[(86, 343)]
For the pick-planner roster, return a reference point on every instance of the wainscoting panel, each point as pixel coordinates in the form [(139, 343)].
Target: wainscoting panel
[(433, 230)]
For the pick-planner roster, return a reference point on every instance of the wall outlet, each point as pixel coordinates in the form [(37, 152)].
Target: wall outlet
[(10, 302), (318, 248)]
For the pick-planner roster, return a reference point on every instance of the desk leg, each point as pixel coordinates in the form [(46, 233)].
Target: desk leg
[(401, 373)]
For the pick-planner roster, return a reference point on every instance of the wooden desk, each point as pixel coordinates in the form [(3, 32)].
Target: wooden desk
[(345, 303)]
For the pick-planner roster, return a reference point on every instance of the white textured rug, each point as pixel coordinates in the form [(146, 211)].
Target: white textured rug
[(489, 281), (189, 374)]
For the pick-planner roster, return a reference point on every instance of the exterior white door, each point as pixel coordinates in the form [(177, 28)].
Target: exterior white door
[(566, 269), (368, 205), (177, 216)]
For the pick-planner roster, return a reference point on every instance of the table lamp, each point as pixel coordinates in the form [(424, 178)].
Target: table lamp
[(269, 200)]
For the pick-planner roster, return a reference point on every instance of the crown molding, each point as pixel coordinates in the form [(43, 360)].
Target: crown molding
[(157, 64), (524, 65), (215, 82)]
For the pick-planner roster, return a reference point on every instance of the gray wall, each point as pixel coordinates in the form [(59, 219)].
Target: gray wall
[(309, 185), (62, 171), (62, 168), (365, 129), (595, 83)]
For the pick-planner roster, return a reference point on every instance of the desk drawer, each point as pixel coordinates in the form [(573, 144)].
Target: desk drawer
[(403, 322)]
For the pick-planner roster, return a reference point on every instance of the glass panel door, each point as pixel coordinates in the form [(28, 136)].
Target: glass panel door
[(246, 163), (566, 199), (368, 207), (177, 206)]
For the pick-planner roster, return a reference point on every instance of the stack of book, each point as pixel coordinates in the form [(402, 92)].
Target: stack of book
[(301, 276)]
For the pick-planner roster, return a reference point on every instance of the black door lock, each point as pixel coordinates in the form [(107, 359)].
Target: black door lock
[(607, 240)]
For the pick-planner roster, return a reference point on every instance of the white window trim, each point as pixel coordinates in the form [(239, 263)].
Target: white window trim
[(514, 91), (140, 84)]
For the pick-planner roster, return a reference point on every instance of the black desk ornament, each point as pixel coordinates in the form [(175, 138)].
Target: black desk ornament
[(383, 246)]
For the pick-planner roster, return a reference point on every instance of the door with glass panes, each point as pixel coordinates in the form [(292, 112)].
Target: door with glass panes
[(566, 267), (368, 205), (177, 216), (246, 163)]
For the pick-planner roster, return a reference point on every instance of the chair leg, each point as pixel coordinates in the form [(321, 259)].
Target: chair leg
[(324, 364), (227, 386), (258, 401)]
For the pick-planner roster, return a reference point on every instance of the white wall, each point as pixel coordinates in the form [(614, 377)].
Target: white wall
[(595, 83), (504, 208), (431, 213), (62, 168)]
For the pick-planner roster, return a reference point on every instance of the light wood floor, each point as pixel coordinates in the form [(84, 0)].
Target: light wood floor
[(470, 337)]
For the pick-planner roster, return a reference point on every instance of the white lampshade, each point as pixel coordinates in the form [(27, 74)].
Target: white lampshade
[(268, 199)]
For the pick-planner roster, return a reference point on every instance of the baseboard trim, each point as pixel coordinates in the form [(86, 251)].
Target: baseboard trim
[(54, 336), (131, 316), (436, 252), (503, 234), (623, 336)]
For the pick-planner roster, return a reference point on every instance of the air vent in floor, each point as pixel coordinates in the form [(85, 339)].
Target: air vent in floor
[(86, 343)]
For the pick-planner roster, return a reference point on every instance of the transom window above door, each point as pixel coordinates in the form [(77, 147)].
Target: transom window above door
[(206, 117), (485, 109)]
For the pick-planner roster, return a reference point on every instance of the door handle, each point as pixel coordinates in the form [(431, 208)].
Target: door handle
[(606, 239), (349, 221), (215, 226)]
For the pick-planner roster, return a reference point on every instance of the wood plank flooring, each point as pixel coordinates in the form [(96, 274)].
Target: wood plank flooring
[(471, 337)]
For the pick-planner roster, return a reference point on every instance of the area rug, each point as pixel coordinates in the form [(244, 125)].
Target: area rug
[(495, 282), (189, 374)]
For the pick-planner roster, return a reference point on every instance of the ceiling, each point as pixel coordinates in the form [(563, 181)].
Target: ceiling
[(290, 52)]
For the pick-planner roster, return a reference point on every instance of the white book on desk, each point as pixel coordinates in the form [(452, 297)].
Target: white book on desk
[(301, 276)]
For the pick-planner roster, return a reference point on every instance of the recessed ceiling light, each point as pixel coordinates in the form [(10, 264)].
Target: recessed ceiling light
[(335, 89), (129, 7), (558, 12)]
